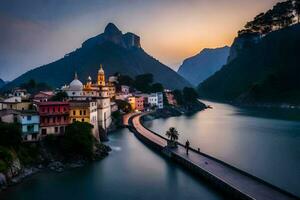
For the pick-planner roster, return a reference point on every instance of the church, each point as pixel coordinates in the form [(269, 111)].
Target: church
[(90, 93)]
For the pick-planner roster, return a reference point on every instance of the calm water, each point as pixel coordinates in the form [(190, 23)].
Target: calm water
[(131, 171), (265, 143)]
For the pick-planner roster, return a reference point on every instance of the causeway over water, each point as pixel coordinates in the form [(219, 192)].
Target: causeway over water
[(236, 183)]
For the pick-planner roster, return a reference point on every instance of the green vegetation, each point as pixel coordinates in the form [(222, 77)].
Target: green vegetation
[(173, 136), (6, 159), (10, 135), (280, 16), (60, 96), (124, 106), (33, 87), (186, 96), (78, 139), (265, 72), (143, 83)]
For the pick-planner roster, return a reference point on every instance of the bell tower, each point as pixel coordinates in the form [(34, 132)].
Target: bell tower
[(101, 77)]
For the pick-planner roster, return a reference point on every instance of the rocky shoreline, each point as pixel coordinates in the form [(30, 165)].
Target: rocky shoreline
[(175, 111), (18, 172)]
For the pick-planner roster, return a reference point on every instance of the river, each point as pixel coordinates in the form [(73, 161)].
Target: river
[(132, 171), (263, 143)]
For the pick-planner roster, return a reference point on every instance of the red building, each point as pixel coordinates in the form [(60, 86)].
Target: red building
[(43, 96), (139, 103), (54, 117)]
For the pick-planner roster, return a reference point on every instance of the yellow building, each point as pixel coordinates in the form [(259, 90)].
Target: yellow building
[(79, 111), (85, 111), (101, 77), (111, 90), (131, 101)]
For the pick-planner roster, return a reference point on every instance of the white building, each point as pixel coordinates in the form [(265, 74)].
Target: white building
[(156, 99), (97, 92), (125, 89)]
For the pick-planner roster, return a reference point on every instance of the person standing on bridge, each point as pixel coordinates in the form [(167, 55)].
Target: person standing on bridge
[(187, 146)]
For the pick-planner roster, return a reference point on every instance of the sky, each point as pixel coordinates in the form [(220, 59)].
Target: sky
[(37, 32)]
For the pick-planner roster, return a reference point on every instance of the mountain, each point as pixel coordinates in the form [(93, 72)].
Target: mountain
[(117, 52), (2, 83), (259, 70), (199, 67)]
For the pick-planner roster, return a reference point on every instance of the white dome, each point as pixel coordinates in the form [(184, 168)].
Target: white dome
[(76, 85)]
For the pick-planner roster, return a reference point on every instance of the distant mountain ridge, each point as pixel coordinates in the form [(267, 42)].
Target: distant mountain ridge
[(260, 70), (116, 51), (2, 83), (199, 67)]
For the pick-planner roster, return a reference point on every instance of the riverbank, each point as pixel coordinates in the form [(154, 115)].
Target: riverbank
[(175, 111), (32, 158)]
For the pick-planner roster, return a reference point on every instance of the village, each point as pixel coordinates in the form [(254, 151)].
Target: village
[(50, 112)]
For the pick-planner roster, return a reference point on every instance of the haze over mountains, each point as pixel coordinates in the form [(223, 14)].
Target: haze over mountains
[(199, 67), (117, 52)]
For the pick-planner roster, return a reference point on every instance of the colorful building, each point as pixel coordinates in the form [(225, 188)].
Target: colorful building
[(101, 77), (43, 96), (99, 92), (30, 122), (54, 117), (15, 103), (111, 90), (131, 101), (170, 98), (139, 103), (85, 111)]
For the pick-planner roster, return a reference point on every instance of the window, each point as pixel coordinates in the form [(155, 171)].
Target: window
[(80, 112), (65, 118), (30, 128), (44, 131), (84, 112), (82, 119), (34, 136), (74, 112), (54, 119), (28, 118), (56, 129)]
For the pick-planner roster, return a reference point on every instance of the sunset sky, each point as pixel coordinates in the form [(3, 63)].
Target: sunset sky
[(36, 32)]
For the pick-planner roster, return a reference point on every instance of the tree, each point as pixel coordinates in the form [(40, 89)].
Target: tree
[(125, 80), (297, 9), (78, 139), (123, 105), (173, 136), (190, 95), (157, 87), (33, 87), (143, 82), (60, 96), (10, 135), (178, 97)]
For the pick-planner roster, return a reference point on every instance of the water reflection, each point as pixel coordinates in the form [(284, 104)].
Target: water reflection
[(131, 171), (263, 143)]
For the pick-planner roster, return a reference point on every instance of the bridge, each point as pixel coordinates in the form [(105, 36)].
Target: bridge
[(235, 183)]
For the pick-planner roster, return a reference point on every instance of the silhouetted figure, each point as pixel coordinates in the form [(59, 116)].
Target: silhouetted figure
[(187, 146)]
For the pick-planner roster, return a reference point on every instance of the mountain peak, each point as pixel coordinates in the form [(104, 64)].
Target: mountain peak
[(111, 29)]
